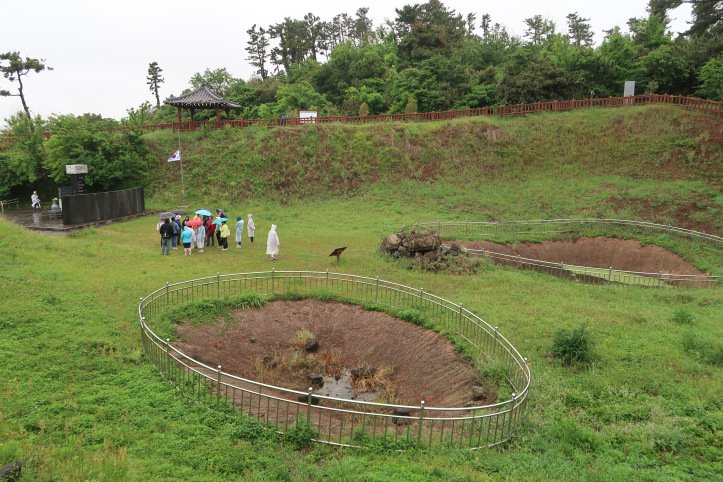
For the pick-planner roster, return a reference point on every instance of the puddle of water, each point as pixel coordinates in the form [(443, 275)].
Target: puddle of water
[(33, 218), (343, 388)]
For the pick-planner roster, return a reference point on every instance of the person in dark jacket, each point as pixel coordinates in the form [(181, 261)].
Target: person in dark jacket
[(167, 234), (176, 240), (218, 234)]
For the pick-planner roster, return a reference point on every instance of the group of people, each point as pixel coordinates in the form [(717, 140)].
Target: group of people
[(200, 232)]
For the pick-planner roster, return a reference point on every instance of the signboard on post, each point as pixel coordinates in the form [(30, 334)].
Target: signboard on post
[(629, 89), (308, 116)]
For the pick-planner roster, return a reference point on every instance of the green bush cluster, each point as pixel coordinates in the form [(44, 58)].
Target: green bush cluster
[(573, 347)]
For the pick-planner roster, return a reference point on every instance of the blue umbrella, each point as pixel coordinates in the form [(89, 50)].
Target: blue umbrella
[(219, 220), (203, 212)]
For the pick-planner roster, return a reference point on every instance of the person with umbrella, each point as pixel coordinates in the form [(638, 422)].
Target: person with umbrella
[(224, 233), (200, 236), (210, 232), (218, 222), (194, 224), (239, 230), (272, 243), (166, 231)]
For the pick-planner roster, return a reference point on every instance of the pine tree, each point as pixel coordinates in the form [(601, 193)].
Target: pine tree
[(258, 45), (538, 29), (580, 32), (154, 79), (14, 68)]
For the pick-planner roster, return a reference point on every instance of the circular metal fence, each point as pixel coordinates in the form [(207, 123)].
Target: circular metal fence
[(554, 228), (339, 421)]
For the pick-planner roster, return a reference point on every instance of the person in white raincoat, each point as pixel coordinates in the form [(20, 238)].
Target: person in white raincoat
[(250, 228), (200, 237), (239, 230), (35, 200), (272, 243)]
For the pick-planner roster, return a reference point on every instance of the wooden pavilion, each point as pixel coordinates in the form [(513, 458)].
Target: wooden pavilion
[(201, 98)]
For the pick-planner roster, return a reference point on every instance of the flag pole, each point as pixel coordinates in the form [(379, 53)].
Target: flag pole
[(183, 189)]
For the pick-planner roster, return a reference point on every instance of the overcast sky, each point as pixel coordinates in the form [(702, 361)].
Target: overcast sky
[(100, 49)]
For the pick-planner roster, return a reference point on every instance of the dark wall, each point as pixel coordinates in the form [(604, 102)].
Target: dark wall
[(88, 208)]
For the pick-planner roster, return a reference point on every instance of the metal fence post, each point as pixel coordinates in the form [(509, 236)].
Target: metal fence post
[(512, 413), (494, 346), (610, 273), (459, 323), (166, 292), (421, 421), (218, 384), (308, 406), (376, 293), (143, 335), (273, 275), (168, 358), (218, 284)]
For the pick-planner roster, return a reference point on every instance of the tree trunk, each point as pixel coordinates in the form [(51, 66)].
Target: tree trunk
[(25, 105)]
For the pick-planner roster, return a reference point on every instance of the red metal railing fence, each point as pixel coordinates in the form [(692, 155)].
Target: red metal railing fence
[(503, 110), (693, 103)]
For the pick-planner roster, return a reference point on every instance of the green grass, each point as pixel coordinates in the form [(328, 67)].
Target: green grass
[(78, 400)]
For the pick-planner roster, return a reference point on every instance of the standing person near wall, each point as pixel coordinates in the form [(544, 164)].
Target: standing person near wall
[(35, 200), (224, 234), (167, 234), (251, 228), (239, 230), (272, 243)]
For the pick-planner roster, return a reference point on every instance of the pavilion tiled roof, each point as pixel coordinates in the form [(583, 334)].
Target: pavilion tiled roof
[(201, 98)]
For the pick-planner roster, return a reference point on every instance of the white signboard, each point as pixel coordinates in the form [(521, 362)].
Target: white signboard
[(308, 116), (629, 89), (76, 168)]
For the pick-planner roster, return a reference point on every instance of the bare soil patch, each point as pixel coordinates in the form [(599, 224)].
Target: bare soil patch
[(412, 363), (598, 252)]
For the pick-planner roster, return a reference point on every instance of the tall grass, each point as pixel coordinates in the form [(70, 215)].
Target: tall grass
[(78, 401)]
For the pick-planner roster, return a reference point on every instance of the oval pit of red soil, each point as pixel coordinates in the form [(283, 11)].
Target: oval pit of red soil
[(425, 365), (598, 252)]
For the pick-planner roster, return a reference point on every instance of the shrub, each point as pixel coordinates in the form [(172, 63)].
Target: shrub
[(682, 317), (703, 349), (414, 317), (302, 434), (573, 346)]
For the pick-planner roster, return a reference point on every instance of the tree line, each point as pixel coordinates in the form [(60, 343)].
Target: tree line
[(431, 58), (428, 58)]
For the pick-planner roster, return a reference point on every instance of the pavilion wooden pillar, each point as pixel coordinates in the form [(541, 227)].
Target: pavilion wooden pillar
[(218, 114), (178, 111)]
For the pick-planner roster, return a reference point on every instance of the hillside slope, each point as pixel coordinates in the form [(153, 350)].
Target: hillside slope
[(652, 143)]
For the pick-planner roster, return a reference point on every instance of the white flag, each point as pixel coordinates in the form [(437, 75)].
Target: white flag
[(176, 156)]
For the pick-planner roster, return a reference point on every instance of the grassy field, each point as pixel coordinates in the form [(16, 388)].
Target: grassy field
[(78, 400)]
